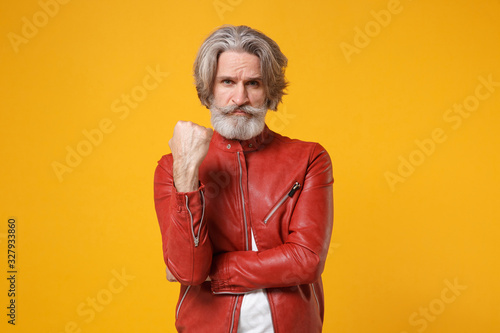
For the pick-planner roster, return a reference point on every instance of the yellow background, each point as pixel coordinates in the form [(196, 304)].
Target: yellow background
[(393, 249)]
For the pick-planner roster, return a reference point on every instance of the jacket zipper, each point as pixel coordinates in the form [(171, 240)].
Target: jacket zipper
[(315, 296), (243, 202), (290, 194), (246, 233), (196, 238), (182, 300), (234, 312)]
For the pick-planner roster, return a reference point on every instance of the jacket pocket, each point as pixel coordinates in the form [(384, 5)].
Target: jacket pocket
[(280, 203)]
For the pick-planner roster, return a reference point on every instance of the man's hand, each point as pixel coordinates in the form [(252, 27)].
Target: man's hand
[(171, 277), (189, 146)]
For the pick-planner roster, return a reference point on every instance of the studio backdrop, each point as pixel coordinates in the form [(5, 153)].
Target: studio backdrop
[(404, 95)]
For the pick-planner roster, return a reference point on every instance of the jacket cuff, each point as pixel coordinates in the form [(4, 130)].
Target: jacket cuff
[(178, 201), (219, 275)]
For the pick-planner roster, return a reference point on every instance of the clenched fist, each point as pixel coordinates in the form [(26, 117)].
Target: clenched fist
[(189, 145)]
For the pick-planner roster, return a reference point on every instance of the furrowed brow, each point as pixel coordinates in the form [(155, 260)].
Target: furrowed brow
[(257, 78), (220, 78)]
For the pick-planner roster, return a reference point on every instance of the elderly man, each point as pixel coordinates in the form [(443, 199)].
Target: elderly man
[(245, 214)]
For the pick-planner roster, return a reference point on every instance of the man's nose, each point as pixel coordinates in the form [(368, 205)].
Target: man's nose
[(240, 96)]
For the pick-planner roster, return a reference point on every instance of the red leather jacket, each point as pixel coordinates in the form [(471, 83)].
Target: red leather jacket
[(279, 188)]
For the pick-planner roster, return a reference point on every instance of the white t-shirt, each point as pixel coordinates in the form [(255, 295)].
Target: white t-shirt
[(255, 315)]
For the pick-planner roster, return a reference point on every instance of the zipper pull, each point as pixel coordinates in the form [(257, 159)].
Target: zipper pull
[(294, 189)]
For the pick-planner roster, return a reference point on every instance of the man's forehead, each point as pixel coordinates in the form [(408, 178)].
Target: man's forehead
[(231, 63), (233, 78)]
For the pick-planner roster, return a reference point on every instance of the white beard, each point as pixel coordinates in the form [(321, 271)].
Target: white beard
[(238, 127)]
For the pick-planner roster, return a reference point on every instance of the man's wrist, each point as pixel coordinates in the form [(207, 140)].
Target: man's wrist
[(185, 178)]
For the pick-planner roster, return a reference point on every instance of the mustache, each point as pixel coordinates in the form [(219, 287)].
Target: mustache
[(245, 108)]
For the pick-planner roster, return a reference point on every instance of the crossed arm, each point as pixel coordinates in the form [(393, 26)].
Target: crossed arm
[(299, 260)]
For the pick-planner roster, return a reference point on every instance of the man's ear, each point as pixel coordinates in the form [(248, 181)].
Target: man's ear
[(270, 106), (209, 102)]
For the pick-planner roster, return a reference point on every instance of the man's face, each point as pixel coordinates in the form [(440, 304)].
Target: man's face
[(239, 99)]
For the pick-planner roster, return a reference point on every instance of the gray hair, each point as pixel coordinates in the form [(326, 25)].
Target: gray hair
[(241, 39)]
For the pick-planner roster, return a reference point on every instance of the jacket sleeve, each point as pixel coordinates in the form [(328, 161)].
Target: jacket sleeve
[(301, 259), (187, 250)]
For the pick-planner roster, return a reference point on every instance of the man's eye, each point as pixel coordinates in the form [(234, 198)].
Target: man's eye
[(226, 81), (253, 83)]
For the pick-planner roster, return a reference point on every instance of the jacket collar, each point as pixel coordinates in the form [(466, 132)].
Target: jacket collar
[(255, 143)]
